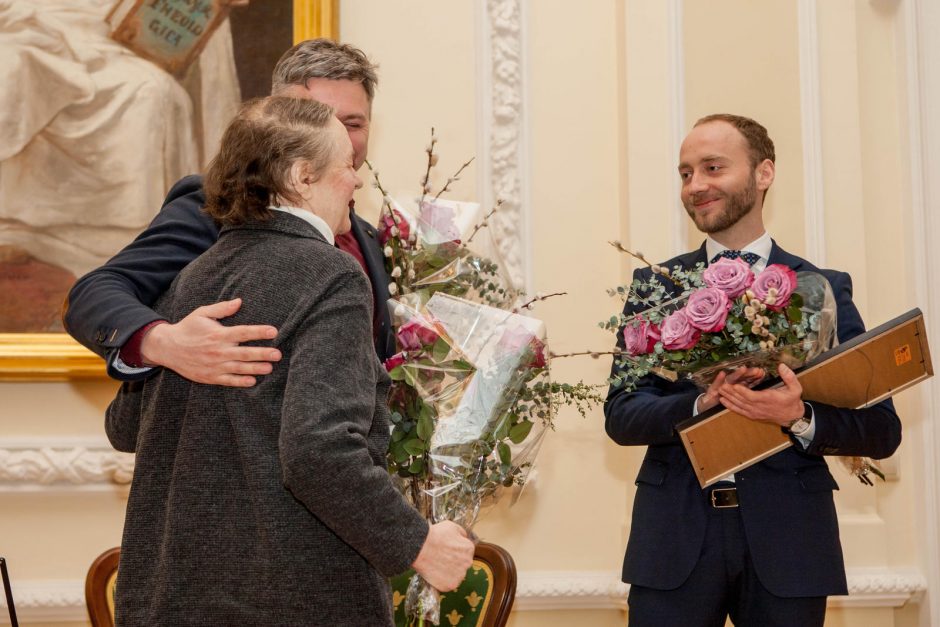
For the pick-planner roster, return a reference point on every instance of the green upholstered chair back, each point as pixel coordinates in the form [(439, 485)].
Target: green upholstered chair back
[(483, 599)]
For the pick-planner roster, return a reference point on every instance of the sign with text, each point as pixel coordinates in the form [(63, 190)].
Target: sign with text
[(171, 33)]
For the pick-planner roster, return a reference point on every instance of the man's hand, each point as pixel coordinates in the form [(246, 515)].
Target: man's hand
[(780, 405), (445, 557), (747, 377), (201, 349)]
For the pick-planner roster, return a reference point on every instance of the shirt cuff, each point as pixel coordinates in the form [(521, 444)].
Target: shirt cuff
[(129, 360)]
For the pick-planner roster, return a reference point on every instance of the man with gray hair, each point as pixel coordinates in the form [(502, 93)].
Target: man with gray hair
[(109, 309)]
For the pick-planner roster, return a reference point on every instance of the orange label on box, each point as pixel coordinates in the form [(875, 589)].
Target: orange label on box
[(902, 355)]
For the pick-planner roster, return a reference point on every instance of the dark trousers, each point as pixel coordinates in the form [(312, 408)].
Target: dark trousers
[(723, 583)]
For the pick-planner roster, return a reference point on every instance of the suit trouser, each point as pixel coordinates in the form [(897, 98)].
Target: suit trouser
[(723, 583)]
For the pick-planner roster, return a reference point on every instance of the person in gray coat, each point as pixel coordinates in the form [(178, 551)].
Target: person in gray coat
[(272, 504)]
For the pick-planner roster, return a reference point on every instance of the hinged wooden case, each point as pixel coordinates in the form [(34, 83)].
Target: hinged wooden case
[(859, 373)]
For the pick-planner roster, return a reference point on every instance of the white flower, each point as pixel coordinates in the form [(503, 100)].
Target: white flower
[(411, 273), (396, 272), (433, 160), (394, 231), (758, 322), (392, 288), (750, 312), (388, 251)]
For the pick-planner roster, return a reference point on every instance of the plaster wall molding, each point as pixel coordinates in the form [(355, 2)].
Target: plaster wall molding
[(64, 600), (810, 117), (920, 21), (41, 464), (502, 142)]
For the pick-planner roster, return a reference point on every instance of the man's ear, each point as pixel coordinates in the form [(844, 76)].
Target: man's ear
[(764, 174)]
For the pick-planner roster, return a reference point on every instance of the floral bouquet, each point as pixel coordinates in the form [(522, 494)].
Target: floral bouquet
[(724, 317), (465, 424), (471, 395), (427, 246)]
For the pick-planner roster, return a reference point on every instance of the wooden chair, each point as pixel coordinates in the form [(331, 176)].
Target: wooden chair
[(99, 588), (484, 599)]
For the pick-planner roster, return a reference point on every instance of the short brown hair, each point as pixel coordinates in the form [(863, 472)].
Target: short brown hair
[(324, 58), (759, 144), (263, 141)]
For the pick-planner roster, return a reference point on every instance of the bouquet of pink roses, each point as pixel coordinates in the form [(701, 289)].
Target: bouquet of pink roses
[(723, 317)]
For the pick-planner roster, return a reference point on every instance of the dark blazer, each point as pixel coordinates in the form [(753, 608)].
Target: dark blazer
[(786, 500), (268, 505), (107, 305)]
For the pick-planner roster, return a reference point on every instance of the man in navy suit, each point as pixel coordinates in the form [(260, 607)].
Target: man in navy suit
[(762, 546), (109, 310)]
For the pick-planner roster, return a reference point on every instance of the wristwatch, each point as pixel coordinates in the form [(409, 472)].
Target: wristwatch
[(802, 424)]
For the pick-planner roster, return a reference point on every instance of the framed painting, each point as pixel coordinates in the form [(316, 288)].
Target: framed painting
[(93, 136)]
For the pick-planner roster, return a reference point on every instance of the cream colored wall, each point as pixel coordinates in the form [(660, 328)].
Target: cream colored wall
[(605, 116)]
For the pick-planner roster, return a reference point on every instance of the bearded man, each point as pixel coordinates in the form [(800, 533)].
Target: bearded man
[(762, 546)]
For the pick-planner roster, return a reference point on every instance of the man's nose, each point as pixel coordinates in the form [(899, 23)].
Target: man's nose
[(696, 183)]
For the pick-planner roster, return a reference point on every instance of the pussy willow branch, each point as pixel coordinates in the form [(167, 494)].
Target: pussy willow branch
[(528, 304), (452, 179), (655, 268), (427, 172), (484, 221), (593, 354)]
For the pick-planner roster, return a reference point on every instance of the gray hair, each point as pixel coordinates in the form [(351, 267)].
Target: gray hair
[(324, 58), (258, 149)]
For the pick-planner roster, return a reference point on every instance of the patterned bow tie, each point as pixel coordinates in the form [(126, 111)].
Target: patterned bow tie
[(748, 257)]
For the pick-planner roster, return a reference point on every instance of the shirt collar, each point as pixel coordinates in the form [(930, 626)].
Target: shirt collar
[(760, 247), (313, 219)]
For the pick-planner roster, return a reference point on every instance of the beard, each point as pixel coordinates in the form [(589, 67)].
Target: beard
[(738, 204)]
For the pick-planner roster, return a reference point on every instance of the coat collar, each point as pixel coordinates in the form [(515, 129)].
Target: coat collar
[(777, 255), (279, 222)]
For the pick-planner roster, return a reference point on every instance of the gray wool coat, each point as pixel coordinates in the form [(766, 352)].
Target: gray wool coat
[(269, 505)]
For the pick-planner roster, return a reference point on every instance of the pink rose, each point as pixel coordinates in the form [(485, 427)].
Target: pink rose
[(776, 276), (707, 309), (731, 276), (394, 361), (639, 336), (415, 335), (437, 223), (677, 332), (518, 339), (387, 222)]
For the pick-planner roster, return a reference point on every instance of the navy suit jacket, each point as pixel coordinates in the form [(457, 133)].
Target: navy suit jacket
[(786, 500), (107, 305)]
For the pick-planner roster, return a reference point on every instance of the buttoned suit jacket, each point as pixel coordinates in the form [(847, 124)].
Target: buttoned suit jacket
[(107, 305), (786, 502)]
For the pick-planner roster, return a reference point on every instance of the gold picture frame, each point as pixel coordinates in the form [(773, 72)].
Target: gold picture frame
[(56, 356)]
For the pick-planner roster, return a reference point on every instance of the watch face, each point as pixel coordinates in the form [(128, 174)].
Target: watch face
[(799, 426)]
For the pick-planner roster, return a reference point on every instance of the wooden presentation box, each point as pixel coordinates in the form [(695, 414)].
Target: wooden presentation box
[(859, 373)]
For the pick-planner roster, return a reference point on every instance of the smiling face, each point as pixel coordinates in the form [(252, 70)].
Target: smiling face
[(722, 191), (329, 193), (350, 103)]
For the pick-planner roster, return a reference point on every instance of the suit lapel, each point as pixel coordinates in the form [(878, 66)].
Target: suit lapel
[(779, 255), (367, 238)]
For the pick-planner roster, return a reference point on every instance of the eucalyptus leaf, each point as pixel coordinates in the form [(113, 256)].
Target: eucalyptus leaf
[(520, 432)]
